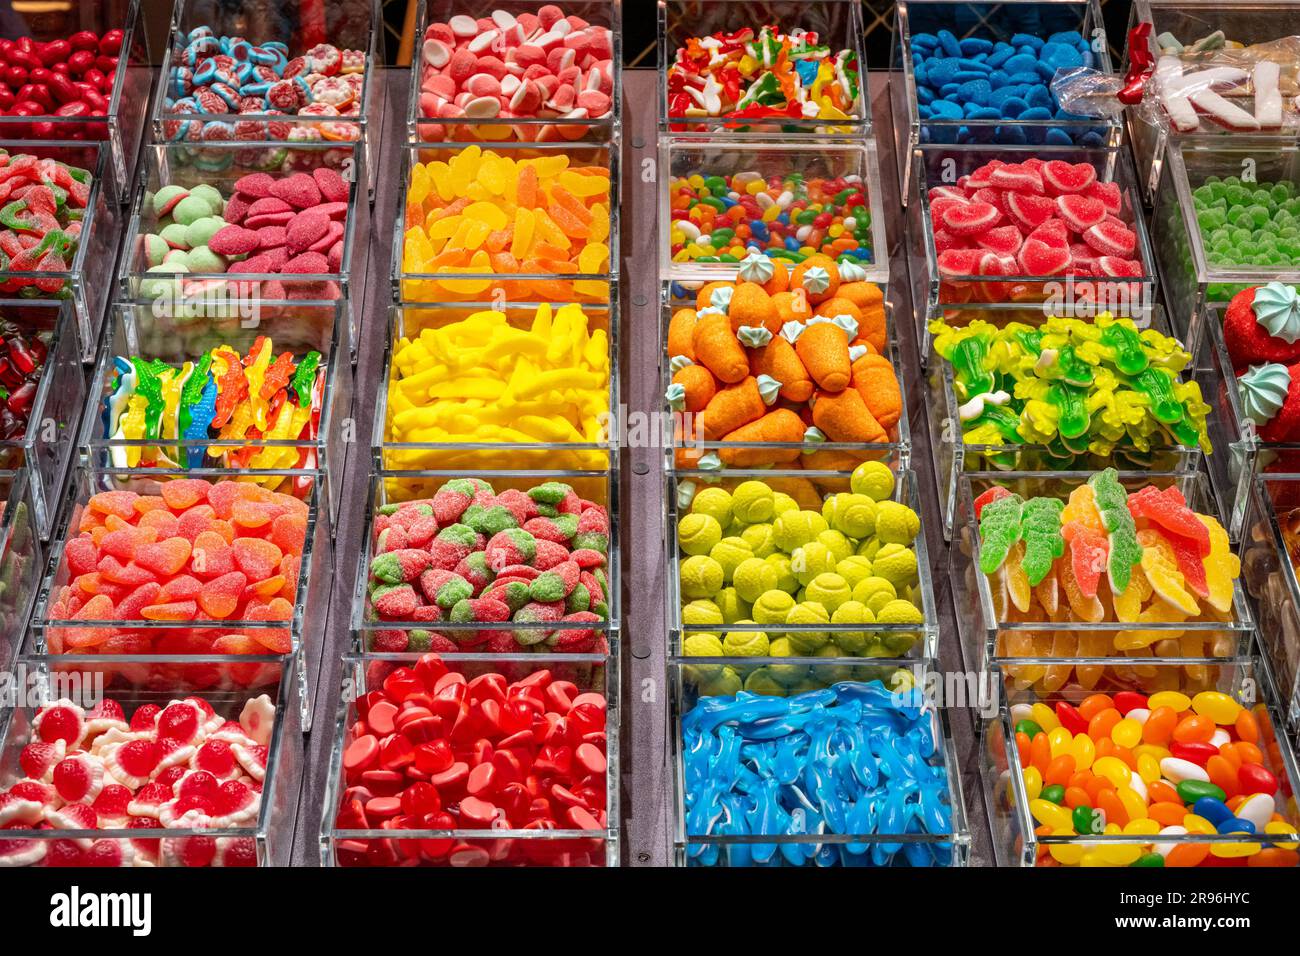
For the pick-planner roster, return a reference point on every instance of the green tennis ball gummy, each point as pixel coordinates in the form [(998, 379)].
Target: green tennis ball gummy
[(701, 577), (851, 514), (781, 503), (729, 552), (702, 612), (698, 533), (829, 590), (836, 543), (715, 502), (733, 607), (761, 539), (786, 579), (874, 592), (753, 577), (852, 643), (796, 528), (896, 523), (752, 502), (773, 607), (702, 645), (725, 682), (745, 643), (873, 479), (811, 560), (808, 614), (853, 569), (896, 564)]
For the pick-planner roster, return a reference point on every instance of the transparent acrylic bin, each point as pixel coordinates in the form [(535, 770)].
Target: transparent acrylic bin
[(691, 682), (456, 283), (991, 21), (122, 122), (1248, 21), (838, 24), (135, 331), (300, 25), (369, 632), (82, 282), (952, 455), (248, 295), (943, 165), (48, 441), (407, 322), (1016, 841), (22, 557), (990, 638), (1268, 554), (135, 682), (681, 157), (182, 640), (878, 641), (342, 844), (1191, 278), (422, 128), (686, 449)]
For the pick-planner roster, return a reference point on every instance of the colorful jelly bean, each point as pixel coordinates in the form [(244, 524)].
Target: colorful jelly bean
[(853, 758), (1146, 788), (723, 219), (181, 765), (408, 766)]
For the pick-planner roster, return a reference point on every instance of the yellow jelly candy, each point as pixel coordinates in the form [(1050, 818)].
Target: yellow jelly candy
[(1222, 567), (1082, 507), (1050, 814), (1015, 579), (1067, 854), (1161, 570), (1219, 707), (1159, 611), (1033, 783)]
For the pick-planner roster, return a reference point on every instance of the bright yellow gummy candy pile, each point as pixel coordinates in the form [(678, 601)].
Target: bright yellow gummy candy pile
[(480, 212), (482, 379)]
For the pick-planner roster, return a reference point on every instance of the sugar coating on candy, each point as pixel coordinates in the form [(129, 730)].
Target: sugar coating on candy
[(462, 576), (124, 588), (912, 795), (40, 231), (172, 770), (413, 771), (1215, 776)]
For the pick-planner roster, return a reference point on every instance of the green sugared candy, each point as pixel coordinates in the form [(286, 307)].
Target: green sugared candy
[(190, 209), (1248, 224)]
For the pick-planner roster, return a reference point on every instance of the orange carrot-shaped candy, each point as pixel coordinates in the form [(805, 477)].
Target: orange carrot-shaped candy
[(802, 490), (865, 295), (844, 416), (781, 425), (680, 329), (779, 360), (871, 310), (732, 407), (704, 298), (838, 306), (875, 380), (823, 348), (833, 459), (818, 276), (771, 274), (753, 307), (718, 349), (699, 387)]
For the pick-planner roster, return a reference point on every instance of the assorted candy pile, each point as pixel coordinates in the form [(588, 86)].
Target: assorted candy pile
[(177, 767), (470, 555), (764, 75), (220, 77), (775, 553), (852, 759), (484, 213), (278, 225), (1073, 385), (40, 222), (988, 90), (222, 396), (543, 65), (724, 218), (783, 355), (1261, 330), (198, 552), (1035, 219), (22, 361), (431, 749), (1243, 88), (1249, 224), (1109, 555), (482, 379), (65, 78), (1163, 766)]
